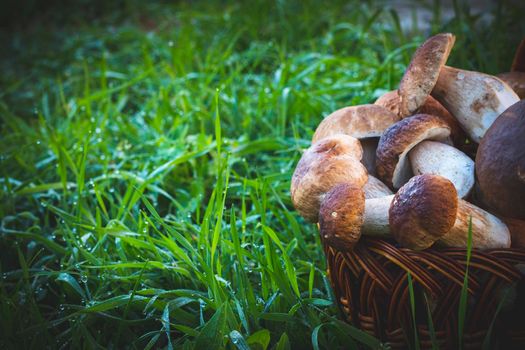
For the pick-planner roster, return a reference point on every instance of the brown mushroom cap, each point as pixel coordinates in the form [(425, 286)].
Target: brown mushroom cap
[(423, 71), (390, 101), (358, 121), (517, 231), (391, 165), (500, 163), (323, 174), (518, 64), (516, 81), (432, 106), (332, 146), (423, 210), (341, 216)]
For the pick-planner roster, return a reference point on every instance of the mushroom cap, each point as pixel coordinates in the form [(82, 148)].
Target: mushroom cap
[(358, 121), (517, 231), (324, 173), (430, 157), (331, 146), (423, 210), (475, 99), (374, 188), (500, 163), (399, 139), (391, 101), (432, 106), (516, 81), (341, 216), (423, 71), (518, 64)]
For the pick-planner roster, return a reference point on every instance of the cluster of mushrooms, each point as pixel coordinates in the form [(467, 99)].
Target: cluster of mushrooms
[(444, 151)]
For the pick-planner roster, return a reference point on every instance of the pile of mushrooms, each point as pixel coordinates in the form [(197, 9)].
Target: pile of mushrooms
[(443, 151)]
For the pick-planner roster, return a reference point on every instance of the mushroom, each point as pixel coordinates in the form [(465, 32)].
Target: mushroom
[(430, 157), (423, 211), (516, 77), (474, 98), (364, 122), (517, 231), (427, 210), (345, 214), (330, 161), (500, 164), (390, 101), (374, 188), (518, 63), (399, 140), (516, 81), (423, 72)]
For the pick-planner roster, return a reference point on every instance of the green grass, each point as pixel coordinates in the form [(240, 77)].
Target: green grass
[(146, 157)]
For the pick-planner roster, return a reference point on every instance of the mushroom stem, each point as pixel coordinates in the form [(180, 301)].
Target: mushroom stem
[(374, 188), (487, 230), (474, 98), (376, 216), (430, 157)]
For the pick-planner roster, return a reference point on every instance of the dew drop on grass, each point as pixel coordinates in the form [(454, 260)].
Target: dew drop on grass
[(38, 142), (43, 204), (170, 43), (111, 190)]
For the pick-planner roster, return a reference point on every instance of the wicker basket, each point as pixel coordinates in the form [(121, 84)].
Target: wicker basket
[(371, 285)]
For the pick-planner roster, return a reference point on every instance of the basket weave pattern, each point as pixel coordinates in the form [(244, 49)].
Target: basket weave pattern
[(371, 285)]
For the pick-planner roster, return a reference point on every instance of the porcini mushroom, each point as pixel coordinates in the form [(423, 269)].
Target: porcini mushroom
[(364, 122), (500, 163), (423, 212), (423, 72), (330, 161), (361, 122), (390, 101), (427, 210), (517, 231), (345, 214), (474, 98), (516, 77), (400, 139)]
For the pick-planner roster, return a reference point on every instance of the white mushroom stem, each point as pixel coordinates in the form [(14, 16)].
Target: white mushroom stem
[(430, 157), (487, 230), (374, 188), (376, 216), (474, 98)]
